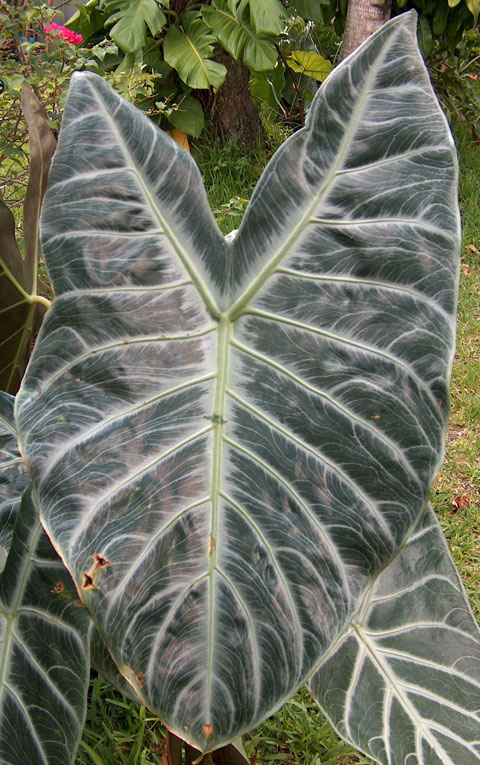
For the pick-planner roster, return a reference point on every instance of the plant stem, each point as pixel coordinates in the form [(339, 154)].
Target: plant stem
[(174, 749)]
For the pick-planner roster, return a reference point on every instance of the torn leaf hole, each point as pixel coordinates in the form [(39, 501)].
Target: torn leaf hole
[(87, 582), (100, 562)]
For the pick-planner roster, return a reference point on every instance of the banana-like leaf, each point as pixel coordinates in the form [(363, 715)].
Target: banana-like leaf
[(229, 441), (237, 36), (14, 478), (44, 656), (188, 49), (403, 682)]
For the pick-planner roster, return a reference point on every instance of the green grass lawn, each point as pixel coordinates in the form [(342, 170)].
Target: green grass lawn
[(118, 731)]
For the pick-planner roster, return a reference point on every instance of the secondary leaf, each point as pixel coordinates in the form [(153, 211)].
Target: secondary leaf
[(14, 477), (403, 681), (237, 36), (21, 312), (268, 16), (42, 146), (44, 658), (228, 443), (188, 49), (187, 116), (44, 654), (19, 316), (310, 63), (131, 20)]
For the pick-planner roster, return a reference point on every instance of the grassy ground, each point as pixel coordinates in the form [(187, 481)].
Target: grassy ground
[(117, 731)]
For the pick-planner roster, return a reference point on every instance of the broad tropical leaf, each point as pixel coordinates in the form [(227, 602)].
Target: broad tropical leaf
[(44, 657), (402, 683), (188, 49), (268, 16), (228, 442), (131, 20), (311, 9), (237, 36)]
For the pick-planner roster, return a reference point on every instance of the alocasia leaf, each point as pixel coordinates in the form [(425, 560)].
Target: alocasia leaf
[(402, 683), (44, 655), (229, 442)]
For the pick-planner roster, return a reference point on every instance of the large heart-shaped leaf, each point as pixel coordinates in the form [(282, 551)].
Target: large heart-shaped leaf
[(44, 656), (228, 442), (403, 682)]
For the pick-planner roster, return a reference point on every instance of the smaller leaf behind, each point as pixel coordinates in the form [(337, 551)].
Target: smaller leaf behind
[(238, 38), (42, 148), (402, 684), (21, 311), (311, 64), (188, 49), (13, 475), (131, 20), (268, 16), (19, 316), (44, 667), (44, 630)]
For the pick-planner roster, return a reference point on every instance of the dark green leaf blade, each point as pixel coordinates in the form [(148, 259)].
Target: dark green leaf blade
[(236, 475), (131, 21), (44, 666), (403, 681), (238, 38), (188, 49)]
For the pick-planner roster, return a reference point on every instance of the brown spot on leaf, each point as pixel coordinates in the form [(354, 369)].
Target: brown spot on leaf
[(140, 678), (207, 729), (87, 582), (78, 604), (100, 562), (58, 588), (211, 546)]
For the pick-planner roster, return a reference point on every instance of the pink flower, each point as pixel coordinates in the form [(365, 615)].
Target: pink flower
[(58, 30)]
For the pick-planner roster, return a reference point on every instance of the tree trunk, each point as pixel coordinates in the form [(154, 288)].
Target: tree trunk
[(234, 115), (363, 18)]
